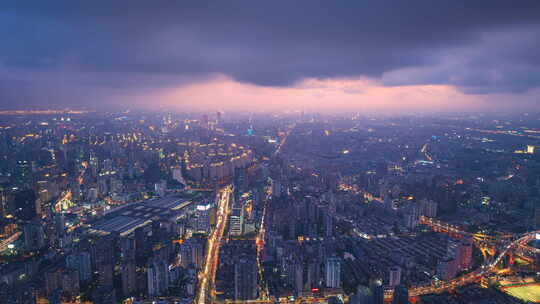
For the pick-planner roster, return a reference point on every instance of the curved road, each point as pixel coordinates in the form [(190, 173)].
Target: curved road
[(5, 243), (486, 268)]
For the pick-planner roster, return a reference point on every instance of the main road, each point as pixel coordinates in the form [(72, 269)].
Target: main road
[(259, 241), (284, 139), (208, 273)]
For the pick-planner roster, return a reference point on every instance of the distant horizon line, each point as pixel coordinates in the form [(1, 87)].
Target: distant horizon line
[(349, 112)]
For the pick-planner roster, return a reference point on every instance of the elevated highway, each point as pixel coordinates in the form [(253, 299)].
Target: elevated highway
[(487, 267)]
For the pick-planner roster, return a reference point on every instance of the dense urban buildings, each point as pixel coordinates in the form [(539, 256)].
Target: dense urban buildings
[(102, 208)]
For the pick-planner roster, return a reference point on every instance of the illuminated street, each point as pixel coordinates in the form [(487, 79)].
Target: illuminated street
[(284, 139), (207, 275), (4, 244), (263, 288)]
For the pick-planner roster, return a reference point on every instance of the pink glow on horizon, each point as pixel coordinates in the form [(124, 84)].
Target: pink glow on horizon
[(318, 94)]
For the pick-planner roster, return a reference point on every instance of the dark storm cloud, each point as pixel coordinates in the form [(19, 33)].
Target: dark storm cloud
[(277, 43), (500, 62)]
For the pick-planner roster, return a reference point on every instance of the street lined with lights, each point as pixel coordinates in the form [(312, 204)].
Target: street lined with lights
[(207, 275)]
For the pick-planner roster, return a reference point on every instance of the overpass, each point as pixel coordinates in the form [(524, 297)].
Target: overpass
[(458, 232), (487, 267), (5, 243)]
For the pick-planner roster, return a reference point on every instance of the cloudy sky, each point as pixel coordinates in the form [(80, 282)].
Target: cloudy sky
[(256, 55)]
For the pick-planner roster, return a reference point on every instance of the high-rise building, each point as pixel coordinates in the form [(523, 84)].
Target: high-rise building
[(104, 295), (333, 272), (197, 253), (178, 176), (52, 281), (103, 188), (411, 216), (245, 279), (127, 248), (328, 225), (81, 262), (22, 173), (204, 121), (105, 275), (103, 251), (92, 194), (236, 221), (160, 187), (129, 278), (25, 204), (332, 202), (447, 268), (276, 188), (428, 208), (401, 295), (34, 235), (103, 259), (185, 255), (378, 293), (363, 295), (203, 217), (297, 270), (85, 268), (64, 280), (60, 224), (465, 254), (218, 117), (335, 300), (312, 274), (394, 277), (141, 245), (461, 252), (116, 185), (70, 284), (3, 202), (537, 217), (452, 248), (158, 277)]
